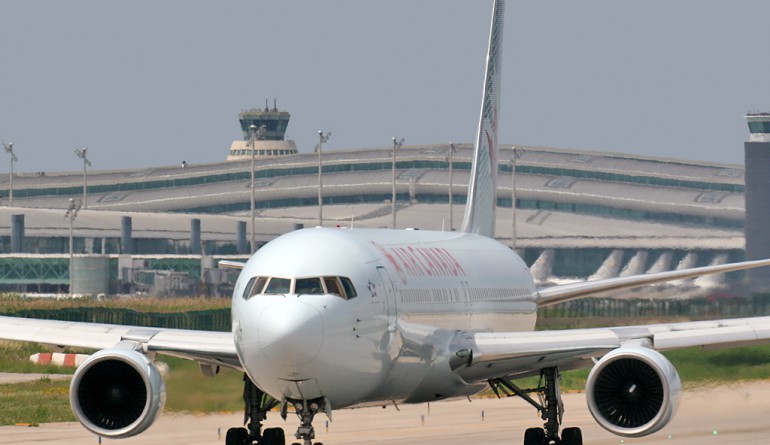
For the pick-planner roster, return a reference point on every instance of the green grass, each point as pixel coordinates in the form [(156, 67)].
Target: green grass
[(41, 401), (10, 303), (698, 367), (188, 391), (14, 357)]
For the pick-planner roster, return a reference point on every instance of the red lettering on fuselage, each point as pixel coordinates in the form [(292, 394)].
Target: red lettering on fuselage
[(421, 261)]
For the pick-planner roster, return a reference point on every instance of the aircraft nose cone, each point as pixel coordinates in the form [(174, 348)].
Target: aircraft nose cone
[(291, 333)]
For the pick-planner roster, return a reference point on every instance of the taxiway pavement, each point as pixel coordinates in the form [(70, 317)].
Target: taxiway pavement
[(728, 414)]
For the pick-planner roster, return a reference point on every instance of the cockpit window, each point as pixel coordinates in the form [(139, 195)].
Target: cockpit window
[(350, 291), (247, 289), (259, 285), (340, 286), (254, 287), (278, 286), (308, 286), (333, 286)]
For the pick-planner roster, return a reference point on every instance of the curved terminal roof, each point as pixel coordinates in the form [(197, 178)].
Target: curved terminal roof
[(558, 191)]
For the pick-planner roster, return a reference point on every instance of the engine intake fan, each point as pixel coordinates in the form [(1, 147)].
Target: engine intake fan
[(117, 393), (633, 391)]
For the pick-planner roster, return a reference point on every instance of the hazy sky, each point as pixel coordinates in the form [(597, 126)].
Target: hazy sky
[(145, 83)]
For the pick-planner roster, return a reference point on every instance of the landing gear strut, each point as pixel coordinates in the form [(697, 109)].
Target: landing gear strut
[(550, 406), (256, 406), (306, 410)]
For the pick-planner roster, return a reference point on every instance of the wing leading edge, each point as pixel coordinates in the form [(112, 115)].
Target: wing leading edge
[(216, 348)]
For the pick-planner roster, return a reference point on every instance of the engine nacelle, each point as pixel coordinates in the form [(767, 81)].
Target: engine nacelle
[(117, 393), (633, 391)]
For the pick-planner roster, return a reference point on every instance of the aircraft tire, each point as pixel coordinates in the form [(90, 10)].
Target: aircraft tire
[(273, 436), (236, 436), (534, 436), (571, 436)]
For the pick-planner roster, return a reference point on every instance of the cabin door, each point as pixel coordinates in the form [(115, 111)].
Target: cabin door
[(389, 296)]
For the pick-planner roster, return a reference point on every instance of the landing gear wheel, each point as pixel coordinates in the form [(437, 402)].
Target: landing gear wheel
[(273, 436), (534, 436), (256, 406), (550, 407), (571, 436), (236, 436)]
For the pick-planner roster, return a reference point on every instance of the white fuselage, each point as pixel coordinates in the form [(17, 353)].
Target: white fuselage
[(415, 290)]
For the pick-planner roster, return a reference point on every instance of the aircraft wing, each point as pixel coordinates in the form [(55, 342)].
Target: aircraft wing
[(572, 291), (483, 355), (227, 264), (216, 348)]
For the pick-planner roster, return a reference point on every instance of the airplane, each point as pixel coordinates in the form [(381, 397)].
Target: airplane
[(326, 319)]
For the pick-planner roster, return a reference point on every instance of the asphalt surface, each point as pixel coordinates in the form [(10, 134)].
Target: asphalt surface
[(734, 414), (13, 377)]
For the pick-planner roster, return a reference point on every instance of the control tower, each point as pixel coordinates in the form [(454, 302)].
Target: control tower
[(271, 142), (757, 156)]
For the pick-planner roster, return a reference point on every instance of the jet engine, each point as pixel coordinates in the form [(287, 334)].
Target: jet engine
[(117, 393), (633, 391)]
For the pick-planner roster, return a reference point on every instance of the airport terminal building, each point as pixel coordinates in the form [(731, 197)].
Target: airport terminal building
[(575, 210)]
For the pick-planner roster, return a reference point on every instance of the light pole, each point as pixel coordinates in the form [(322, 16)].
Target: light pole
[(396, 145), (256, 134), (81, 152), (9, 149), (72, 213), (450, 159), (322, 138), (517, 153)]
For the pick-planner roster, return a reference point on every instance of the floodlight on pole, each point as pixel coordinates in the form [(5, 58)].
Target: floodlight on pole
[(9, 149), (81, 153), (397, 143), (322, 138), (256, 134), (71, 214)]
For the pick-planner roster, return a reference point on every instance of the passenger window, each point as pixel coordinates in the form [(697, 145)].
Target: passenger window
[(278, 286), (333, 286), (310, 286), (350, 291)]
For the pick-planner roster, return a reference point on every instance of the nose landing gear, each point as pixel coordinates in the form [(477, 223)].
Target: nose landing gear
[(306, 410)]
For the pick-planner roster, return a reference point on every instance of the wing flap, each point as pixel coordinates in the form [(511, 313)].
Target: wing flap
[(709, 334)]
